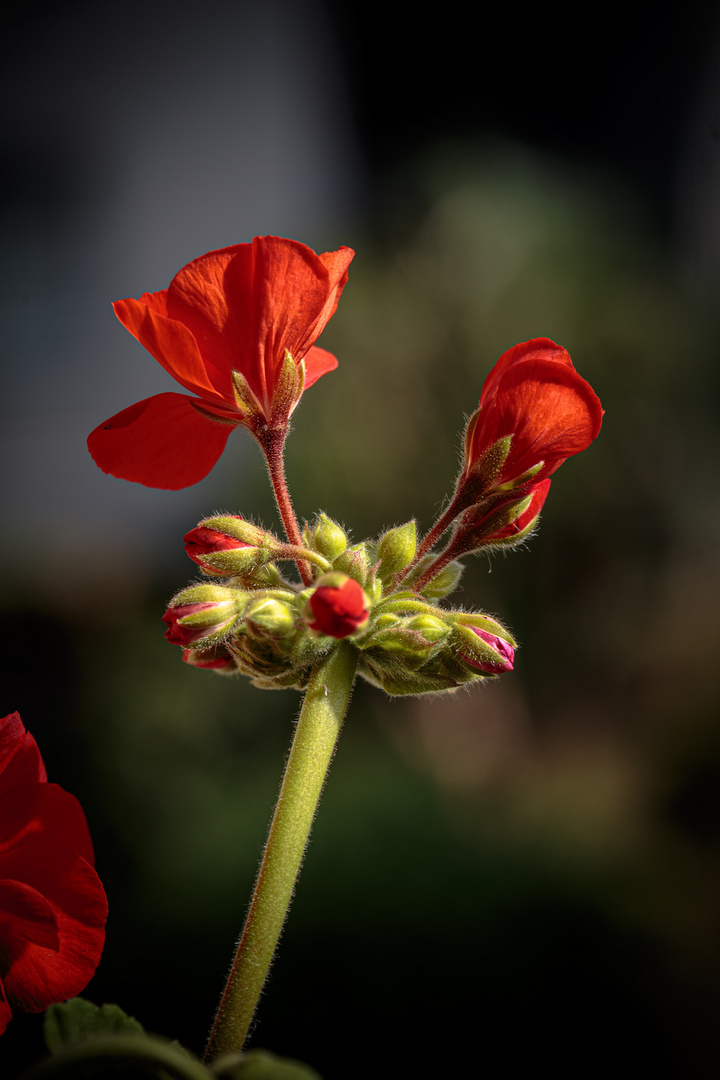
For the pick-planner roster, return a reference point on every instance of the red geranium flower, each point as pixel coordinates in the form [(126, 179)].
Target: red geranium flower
[(52, 903), (237, 328), (535, 395)]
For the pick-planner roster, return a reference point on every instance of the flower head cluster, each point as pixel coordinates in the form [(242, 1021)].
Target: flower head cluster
[(52, 904), (237, 328)]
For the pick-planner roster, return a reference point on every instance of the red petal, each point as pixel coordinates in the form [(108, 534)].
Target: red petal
[(317, 363), (20, 761), (162, 442), (5, 1011), (38, 976), (41, 812), (247, 304), (536, 349), (172, 344), (26, 916), (550, 410)]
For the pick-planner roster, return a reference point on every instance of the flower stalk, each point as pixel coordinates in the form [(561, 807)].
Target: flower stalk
[(324, 707)]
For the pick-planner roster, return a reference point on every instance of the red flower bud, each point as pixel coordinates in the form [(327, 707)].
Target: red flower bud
[(338, 607), (535, 397), (502, 647), (501, 521), (52, 904)]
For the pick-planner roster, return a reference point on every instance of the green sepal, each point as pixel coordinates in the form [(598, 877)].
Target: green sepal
[(288, 388), (78, 1019), (488, 467), (505, 515), (245, 398), (267, 617), (411, 682), (482, 622), (396, 549), (469, 644), (518, 481), (440, 586), (261, 1065)]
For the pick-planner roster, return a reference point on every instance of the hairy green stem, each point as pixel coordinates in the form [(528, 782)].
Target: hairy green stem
[(313, 746)]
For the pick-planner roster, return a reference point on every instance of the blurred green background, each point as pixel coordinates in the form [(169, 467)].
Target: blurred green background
[(527, 873)]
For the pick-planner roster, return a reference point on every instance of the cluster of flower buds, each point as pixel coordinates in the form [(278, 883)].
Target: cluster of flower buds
[(259, 624)]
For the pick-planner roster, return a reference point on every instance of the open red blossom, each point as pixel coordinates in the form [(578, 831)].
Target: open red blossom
[(338, 607), (52, 903), (237, 328), (535, 395)]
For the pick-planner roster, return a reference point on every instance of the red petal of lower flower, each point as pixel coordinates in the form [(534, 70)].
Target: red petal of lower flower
[(162, 442), (26, 915), (37, 976), (38, 813), (5, 1010), (20, 761), (317, 363)]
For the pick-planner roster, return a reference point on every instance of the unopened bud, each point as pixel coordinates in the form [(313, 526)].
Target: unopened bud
[(337, 606), (202, 613), (228, 545), (218, 658), (500, 518), (328, 538), (396, 549), (267, 617), (355, 562), (484, 651)]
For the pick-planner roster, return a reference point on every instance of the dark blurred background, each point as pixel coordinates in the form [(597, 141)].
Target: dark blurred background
[(527, 875)]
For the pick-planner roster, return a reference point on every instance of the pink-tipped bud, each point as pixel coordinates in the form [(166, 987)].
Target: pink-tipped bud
[(483, 659), (338, 607)]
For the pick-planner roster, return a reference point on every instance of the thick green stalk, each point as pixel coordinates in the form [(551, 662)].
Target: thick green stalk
[(313, 746)]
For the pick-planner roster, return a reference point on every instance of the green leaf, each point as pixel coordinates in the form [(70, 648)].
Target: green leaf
[(120, 1057), (78, 1019), (261, 1065)]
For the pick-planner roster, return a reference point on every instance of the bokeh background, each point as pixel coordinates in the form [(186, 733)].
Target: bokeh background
[(523, 876)]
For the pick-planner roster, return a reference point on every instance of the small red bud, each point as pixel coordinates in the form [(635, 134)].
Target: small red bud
[(338, 607)]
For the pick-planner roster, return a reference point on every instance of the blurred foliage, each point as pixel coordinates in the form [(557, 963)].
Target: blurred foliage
[(537, 858)]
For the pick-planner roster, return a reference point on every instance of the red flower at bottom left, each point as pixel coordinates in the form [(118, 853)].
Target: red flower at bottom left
[(52, 903)]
